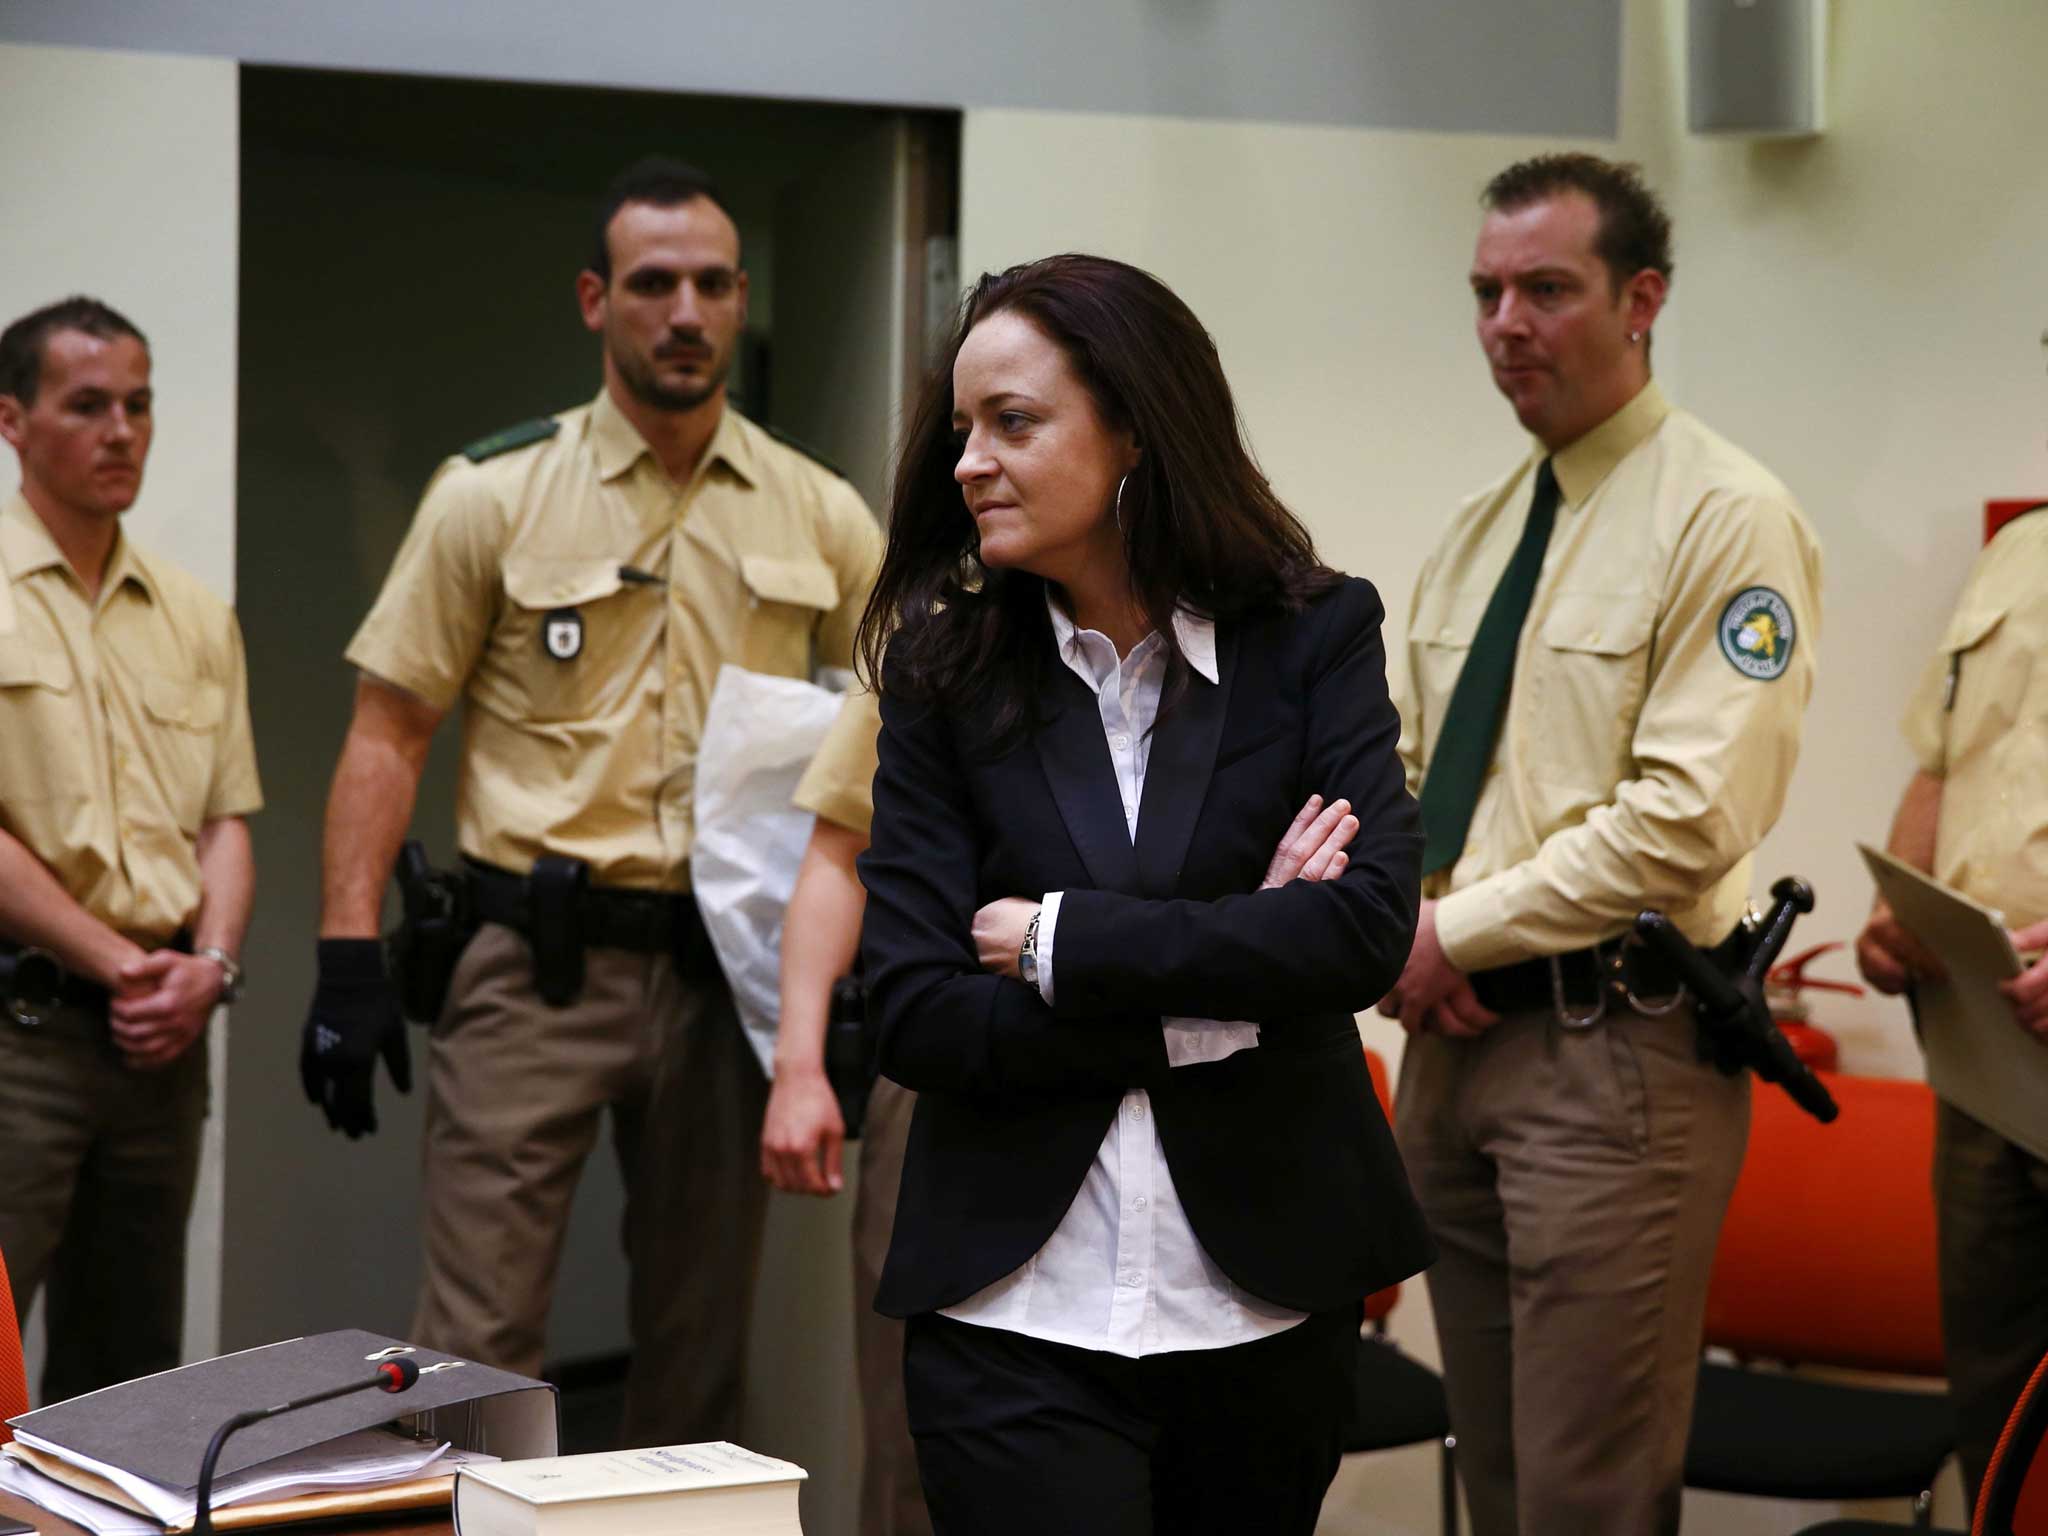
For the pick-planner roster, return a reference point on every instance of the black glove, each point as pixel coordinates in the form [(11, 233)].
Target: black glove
[(353, 1018)]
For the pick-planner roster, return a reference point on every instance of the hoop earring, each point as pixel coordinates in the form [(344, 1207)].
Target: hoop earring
[(1117, 511)]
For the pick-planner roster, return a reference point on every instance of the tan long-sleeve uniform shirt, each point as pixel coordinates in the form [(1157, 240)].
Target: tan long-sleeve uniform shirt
[(1657, 695), (581, 602), (124, 725)]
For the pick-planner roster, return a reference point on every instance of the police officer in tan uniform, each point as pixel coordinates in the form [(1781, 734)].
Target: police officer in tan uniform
[(1975, 816), (1608, 656), (577, 583), (126, 768)]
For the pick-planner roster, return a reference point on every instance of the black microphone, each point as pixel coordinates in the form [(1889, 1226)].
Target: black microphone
[(392, 1376)]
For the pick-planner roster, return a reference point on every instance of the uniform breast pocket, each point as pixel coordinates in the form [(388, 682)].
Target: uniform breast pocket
[(1988, 673), (36, 707), (786, 600), (185, 717), (1439, 640), (1588, 675), (572, 639)]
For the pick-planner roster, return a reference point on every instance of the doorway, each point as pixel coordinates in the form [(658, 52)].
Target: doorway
[(408, 252)]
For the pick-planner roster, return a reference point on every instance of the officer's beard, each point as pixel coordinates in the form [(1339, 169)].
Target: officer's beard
[(639, 377)]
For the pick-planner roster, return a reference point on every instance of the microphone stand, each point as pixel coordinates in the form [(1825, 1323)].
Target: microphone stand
[(392, 1376)]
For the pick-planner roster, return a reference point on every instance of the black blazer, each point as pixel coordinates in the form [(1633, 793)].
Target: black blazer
[(1283, 1161)]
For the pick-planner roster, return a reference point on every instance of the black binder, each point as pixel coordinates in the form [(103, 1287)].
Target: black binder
[(158, 1426)]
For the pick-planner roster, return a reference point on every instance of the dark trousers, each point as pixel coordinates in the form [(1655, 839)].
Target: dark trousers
[(1016, 1435), (98, 1162), (1991, 1202)]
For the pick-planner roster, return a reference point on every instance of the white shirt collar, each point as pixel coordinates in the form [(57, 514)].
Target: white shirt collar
[(1195, 635)]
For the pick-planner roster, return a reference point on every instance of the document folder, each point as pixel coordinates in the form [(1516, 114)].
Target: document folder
[(158, 1426), (1978, 1057)]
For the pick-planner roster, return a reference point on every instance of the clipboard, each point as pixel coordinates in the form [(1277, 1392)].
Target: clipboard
[(1978, 1057)]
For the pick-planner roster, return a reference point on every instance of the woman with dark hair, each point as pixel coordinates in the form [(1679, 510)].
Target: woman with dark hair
[(1148, 1184)]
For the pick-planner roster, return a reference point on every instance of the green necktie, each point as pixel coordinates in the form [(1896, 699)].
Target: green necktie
[(1464, 746)]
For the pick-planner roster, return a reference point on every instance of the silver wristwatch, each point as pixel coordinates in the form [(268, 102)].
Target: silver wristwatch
[(1027, 952), (230, 972)]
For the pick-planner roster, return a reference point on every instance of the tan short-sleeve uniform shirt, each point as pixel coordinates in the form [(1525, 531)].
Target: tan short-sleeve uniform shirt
[(124, 725), (1658, 688), (1978, 721), (840, 783), (580, 603)]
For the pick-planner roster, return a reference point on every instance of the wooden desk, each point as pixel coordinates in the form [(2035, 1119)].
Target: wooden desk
[(412, 1523)]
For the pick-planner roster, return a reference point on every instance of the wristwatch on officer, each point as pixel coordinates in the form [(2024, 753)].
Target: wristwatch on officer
[(1027, 952), (230, 972)]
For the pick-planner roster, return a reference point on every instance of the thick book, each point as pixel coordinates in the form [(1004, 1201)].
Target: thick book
[(676, 1489)]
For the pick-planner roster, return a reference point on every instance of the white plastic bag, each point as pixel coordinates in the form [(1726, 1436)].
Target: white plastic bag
[(760, 734)]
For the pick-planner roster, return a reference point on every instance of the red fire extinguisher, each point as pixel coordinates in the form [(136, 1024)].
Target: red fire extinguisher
[(1782, 988)]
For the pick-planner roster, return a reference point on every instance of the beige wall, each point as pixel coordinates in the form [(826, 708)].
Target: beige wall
[(120, 181), (1863, 311)]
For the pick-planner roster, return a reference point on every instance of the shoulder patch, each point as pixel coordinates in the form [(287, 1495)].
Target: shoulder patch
[(1757, 633), (537, 430), (805, 449)]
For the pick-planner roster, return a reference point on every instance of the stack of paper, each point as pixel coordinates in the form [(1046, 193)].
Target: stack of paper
[(18, 1477), (115, 1502)]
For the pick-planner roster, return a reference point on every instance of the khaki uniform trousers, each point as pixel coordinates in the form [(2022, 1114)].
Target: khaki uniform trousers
[(891, 1497), (98, 1162), (1575, 1180), (515, 1091), (1991, 1209)]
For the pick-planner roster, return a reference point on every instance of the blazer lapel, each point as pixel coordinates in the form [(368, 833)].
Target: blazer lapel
[(1177, 773), (1083, 780)]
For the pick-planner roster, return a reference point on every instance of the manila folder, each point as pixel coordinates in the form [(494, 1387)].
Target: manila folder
[(1978, 1057)]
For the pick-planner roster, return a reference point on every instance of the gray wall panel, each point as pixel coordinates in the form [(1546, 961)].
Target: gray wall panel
[(1484, 66)]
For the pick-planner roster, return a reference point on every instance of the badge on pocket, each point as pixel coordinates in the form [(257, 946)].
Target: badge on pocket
[(562, 634)]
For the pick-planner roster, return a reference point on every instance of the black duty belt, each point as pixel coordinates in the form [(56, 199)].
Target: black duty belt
[(37, 991), (1578, 986), (647, 922)]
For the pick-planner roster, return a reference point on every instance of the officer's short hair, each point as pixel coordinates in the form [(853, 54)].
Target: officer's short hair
[(654, 179), (22, 344), (1635, 231)]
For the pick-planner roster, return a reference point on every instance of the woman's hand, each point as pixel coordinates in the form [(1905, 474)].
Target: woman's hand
[(1313, 847), (999, 933)]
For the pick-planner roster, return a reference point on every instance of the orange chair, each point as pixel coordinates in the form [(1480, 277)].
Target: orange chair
[(1827, 1257), (13, 1379), (1398, 1401)]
